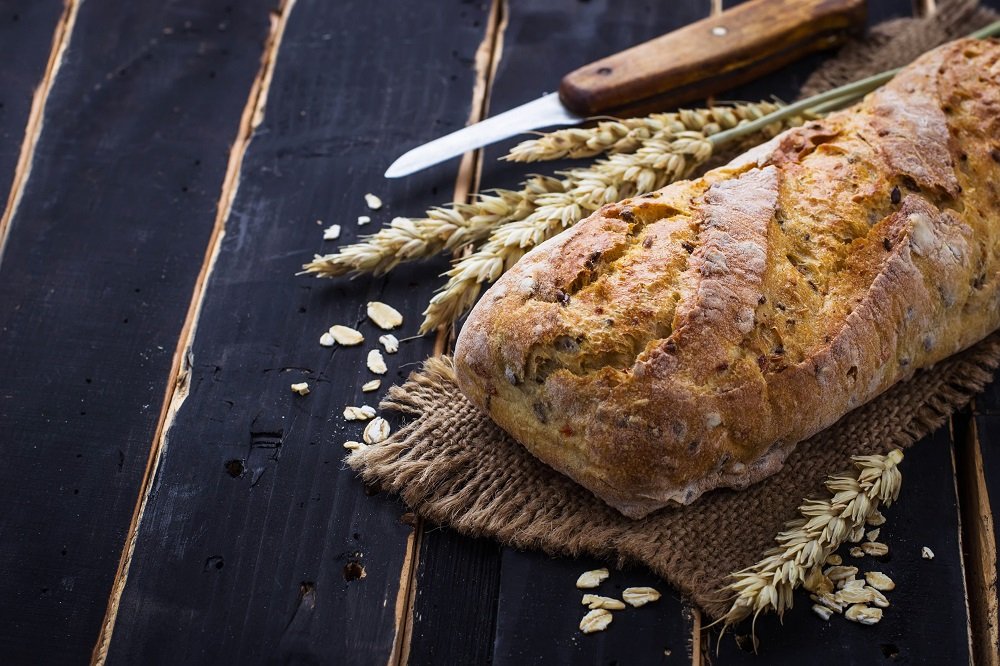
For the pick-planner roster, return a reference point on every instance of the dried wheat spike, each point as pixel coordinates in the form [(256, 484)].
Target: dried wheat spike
[(627, 135)]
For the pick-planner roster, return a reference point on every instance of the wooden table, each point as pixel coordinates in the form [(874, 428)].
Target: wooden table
[(167, 499)]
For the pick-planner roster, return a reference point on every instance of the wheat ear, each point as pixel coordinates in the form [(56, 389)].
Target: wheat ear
[(630, 134), (807, 541)]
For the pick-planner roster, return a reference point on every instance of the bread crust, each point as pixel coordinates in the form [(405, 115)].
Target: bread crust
[(687, 339)]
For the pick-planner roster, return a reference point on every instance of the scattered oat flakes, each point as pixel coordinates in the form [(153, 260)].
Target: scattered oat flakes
[(594, 601), (302, 388), (351, 445), (332, 232), (363, 220), (875, 549), (879, 581), (373, 201), (876, 519), (639, 596), (854, 595), (345, 335), (390, 343), (835, 560), (816, 582), (872, 535), (829, 601), (376, 431), (863, 614), (376, 363), (837, 573), (385, 316), (327, 340), (878, 598), (822, 611), (926, 553), (856, 552), (371, 386), (362, 413), (596, 620), (591, 579)]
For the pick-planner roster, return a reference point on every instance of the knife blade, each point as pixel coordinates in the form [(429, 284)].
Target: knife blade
[(691, 63)]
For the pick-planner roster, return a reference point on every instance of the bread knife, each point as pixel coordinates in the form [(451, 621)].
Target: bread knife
[(691, 63)]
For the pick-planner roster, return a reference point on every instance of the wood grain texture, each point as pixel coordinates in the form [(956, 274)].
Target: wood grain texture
[(712, 55), (26, 30), (94, 282), (257, 544), (926, 622)]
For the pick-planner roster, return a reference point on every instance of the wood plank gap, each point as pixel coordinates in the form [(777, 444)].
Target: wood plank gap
[(924, 7), (961, 529), (177, 381), (36, 116), (487, 60), (977, 527)]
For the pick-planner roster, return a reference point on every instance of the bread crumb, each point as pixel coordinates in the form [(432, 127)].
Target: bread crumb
[(302, 388), (373, 201), (926, 553), (363, 220), (390, 343), (332, 232)]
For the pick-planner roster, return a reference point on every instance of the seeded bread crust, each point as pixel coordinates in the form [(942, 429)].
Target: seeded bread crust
[(687, 339)]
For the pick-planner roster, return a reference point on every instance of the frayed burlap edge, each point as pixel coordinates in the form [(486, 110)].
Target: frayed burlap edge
[(453, 466)]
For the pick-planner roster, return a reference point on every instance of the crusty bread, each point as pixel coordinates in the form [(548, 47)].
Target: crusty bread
[(687, 339)]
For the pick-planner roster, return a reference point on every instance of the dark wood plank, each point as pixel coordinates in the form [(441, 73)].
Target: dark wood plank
[(26, 30), (926, 622), (540, 613), (255, 535), (542, 42), (94, 284)]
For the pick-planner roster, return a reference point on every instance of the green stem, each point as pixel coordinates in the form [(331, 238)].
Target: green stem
[(824, 101)]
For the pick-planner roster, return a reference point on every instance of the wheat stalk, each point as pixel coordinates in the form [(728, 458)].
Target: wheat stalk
[(807, 541), (442, 230), (630, 134)]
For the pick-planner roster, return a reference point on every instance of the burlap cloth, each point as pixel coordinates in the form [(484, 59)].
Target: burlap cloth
[(454, 467)]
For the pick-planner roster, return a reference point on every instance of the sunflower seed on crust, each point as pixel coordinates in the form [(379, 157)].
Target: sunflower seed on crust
[(588, 580), (346, 336), (385, 316), (863, 614), (596, 620), (594, 601), (362, 413), (389, 342), (376, 431), (639, 596)]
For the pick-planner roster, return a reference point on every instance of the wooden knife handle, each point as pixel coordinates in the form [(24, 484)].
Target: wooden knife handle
[(712, 55)]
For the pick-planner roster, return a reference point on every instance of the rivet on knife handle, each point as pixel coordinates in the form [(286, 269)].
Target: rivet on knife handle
[(712, 55)]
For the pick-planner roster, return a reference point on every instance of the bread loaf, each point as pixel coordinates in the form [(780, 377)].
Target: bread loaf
[(687, 339)]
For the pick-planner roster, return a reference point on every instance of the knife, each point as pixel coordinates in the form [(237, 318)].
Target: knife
[(691, 63)]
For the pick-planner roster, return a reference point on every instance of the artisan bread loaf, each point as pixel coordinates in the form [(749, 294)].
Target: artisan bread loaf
[(687, 339)]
